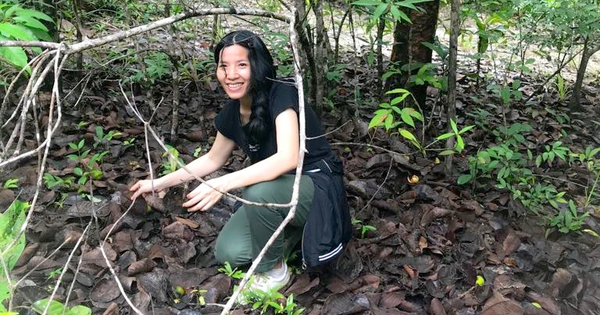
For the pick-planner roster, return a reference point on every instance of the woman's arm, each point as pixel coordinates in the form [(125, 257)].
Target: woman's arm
[(283, 161), (215, 158)]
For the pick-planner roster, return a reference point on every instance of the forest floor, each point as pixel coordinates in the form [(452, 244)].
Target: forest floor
[(425, 241)]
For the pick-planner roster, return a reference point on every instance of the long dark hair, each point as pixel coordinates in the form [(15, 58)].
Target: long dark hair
[(262, 73)]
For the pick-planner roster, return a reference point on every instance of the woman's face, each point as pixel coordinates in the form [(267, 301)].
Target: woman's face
[(233, 72)]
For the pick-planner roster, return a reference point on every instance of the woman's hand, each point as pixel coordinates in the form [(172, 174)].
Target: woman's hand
[(143, 187), (204, 197)]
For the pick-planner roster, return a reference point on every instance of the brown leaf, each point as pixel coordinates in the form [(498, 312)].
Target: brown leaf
[(190, 223), (141, 266), (547, 302), (499, 305), (29, 251), (507, 286), (436, 307), (564, 284), (302, 285), (105, 291), (434, 213), (391, 299), (217, 288), (509, 243), (113, 309), (345, 303), (95, 256), (178, 231), (155, 283), (189, 278), (123, 241)]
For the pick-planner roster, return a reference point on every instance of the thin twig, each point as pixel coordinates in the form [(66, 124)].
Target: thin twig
[(368, 145), (65, 268), (328, 133), (380, 186), (112, 270)]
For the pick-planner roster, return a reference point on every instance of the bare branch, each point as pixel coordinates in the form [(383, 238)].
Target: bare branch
[(112, 270), (91, 43)]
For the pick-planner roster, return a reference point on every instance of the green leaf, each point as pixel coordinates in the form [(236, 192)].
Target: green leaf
[(80, 310), (367, 2), (463, 179), (447, 152), (10, 224), (389, 120), (55, 307), (465, 129), (407, 119), (16, 32), (36, 14), (407, 135), (380, 10), (453, 125), (445, 136), (30, 22), (396, 13), (15, 56), (398, 91)]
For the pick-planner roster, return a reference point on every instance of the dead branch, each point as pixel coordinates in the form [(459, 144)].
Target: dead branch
[(91, 43)]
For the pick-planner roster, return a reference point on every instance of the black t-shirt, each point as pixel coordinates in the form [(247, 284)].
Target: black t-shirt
[(283, 95)]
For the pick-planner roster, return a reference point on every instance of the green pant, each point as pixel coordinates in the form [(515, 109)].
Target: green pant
[(250, 227)]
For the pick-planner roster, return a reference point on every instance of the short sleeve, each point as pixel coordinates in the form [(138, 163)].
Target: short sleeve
[(284, 95), (224, 119)]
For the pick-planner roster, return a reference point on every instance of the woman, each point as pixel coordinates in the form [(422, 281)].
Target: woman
[(262, 118)]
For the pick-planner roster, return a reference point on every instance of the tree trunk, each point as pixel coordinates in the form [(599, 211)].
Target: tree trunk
[(320, 56), (588, 52), (379, 41), (454, 29), (408, 49)]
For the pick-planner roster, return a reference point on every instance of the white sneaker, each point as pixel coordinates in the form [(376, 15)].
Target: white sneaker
[(272, 280), (261, 283)]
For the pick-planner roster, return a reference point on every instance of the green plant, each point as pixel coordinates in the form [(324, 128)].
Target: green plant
[(386, 115), (11, 244), (58, 308), (364, 228), (86, 170), (129, 142), (172, 162), (53, 274), (568, 220), (233, 273), (52, 181), (555, 150), (459, 144), (156, 65), (103, 138), (18, 23), (11, 183), (197, 151)]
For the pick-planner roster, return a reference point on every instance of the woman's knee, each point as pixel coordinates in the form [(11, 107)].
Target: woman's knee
[(236, 253)]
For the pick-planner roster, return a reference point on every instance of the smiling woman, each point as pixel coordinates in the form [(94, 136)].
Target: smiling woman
[(262, 119)]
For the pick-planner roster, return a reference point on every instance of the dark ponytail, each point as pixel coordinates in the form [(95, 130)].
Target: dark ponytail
[(262, 75)]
